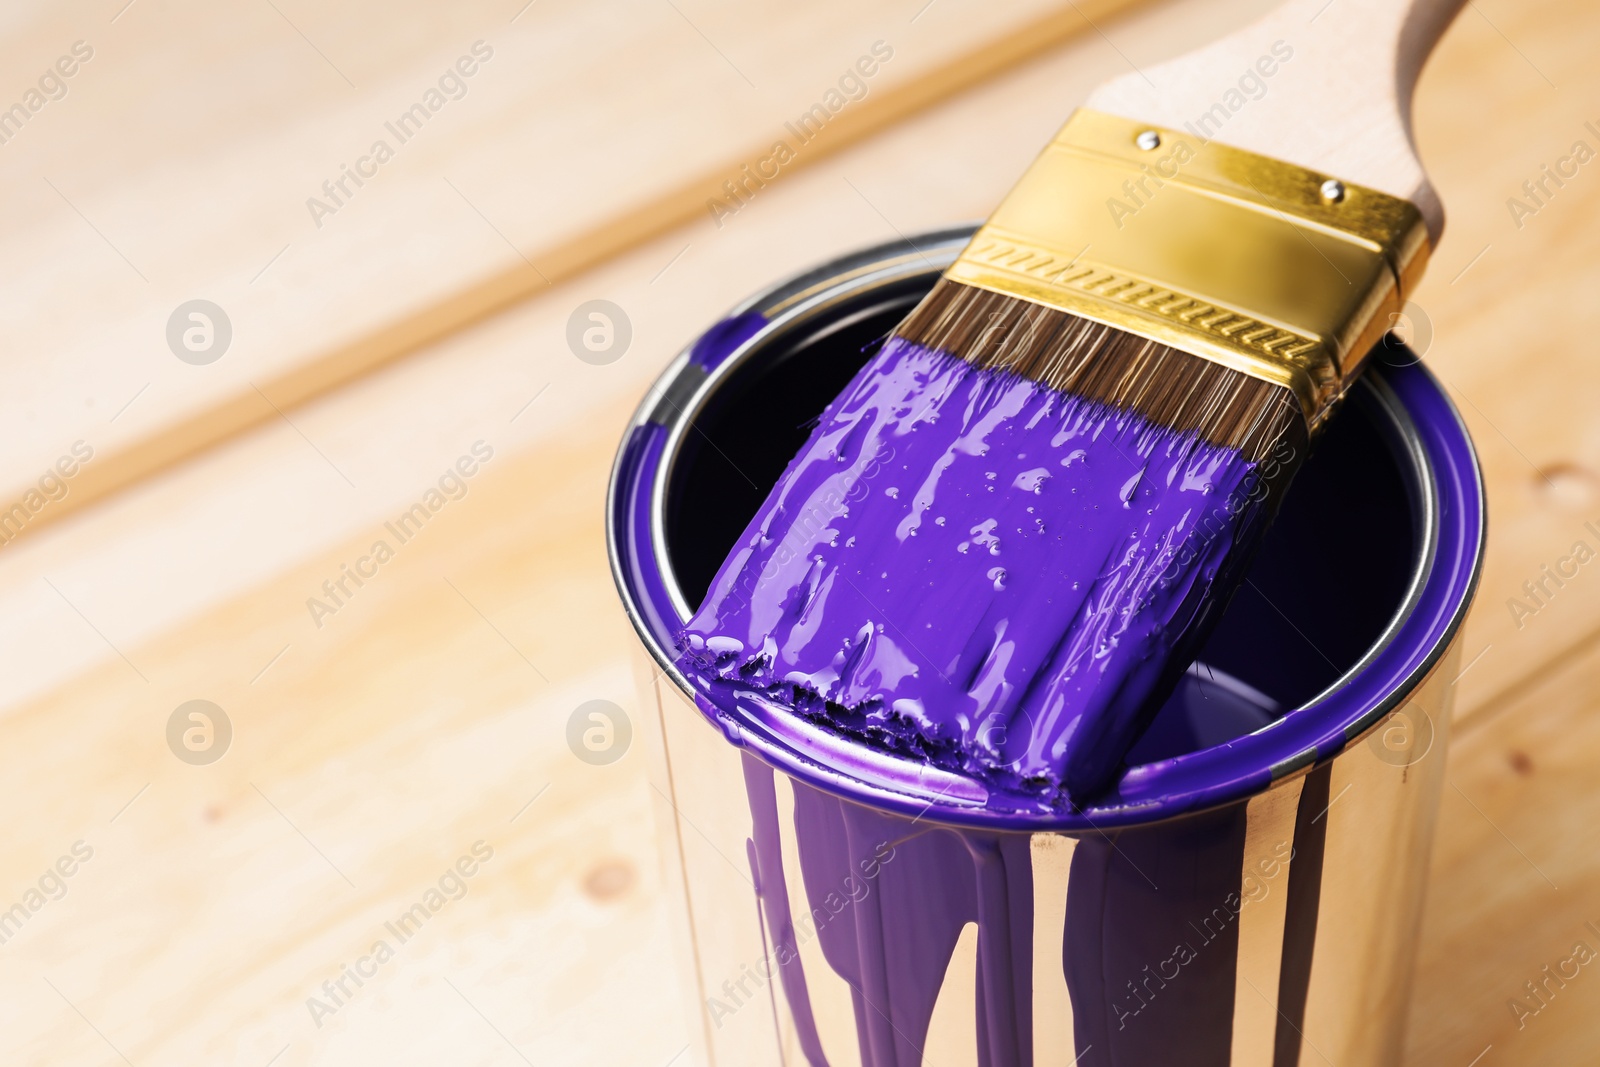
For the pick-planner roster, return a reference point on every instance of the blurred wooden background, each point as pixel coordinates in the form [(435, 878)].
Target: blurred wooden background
[(428, 312)]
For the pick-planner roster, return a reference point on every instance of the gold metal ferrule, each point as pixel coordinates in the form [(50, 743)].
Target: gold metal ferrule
[(1267, 268)]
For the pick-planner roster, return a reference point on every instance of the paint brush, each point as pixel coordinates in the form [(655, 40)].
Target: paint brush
[(1009, 535)]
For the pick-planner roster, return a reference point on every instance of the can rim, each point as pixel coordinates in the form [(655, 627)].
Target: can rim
[(1444, 477)]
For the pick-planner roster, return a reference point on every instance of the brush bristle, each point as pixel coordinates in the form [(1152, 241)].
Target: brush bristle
[(1088, 359)]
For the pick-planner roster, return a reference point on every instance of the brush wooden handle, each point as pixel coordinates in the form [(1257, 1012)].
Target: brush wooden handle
[(1340, 104)]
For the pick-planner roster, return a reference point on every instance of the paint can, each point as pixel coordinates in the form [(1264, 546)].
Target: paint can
[(1250, 891)]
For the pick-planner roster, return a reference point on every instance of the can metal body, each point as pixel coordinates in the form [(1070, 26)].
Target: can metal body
[(1248, 893)]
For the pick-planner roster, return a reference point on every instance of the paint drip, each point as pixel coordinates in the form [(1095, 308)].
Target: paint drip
[(1147, 974), (969, 568)]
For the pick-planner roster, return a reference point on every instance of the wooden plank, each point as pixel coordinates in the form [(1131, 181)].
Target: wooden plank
[(1508, 337), (501, 196), (1514, 885), (365, 763)]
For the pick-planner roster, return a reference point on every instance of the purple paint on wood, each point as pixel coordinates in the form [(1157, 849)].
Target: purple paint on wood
[(974, 569)]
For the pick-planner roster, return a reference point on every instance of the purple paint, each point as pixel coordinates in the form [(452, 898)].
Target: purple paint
[(852, 599), (1152, 936), (977, 571), (1151, 927), (888, 898), (766, 866), (1398, 397), (719, 342), (1398, 421)]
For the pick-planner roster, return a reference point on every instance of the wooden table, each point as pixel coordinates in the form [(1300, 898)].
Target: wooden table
[(212, 909)]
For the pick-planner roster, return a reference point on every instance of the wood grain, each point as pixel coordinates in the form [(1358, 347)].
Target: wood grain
[(1504, 327), (1514, 885), (498, 196)]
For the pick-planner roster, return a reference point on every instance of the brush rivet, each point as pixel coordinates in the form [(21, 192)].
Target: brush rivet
[(1149, 140), (1333, 190)]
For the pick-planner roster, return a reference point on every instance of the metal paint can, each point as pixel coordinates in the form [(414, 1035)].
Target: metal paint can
[(1248, 894)]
